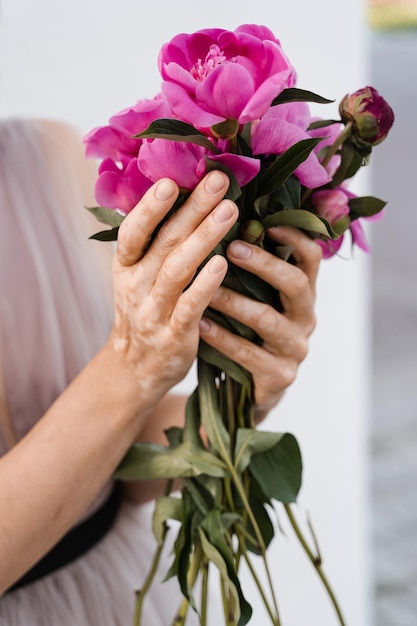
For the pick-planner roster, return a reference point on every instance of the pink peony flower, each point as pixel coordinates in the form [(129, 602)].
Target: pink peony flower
[(213, 75), (280, 128)]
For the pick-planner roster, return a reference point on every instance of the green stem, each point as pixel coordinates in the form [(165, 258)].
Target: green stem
[(258, 534), (274, 618), (316, 561), (140, 595), (331, 151), (179, 619), (204, 592)]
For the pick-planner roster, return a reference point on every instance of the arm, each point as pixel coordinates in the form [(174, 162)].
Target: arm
[(50, 477)]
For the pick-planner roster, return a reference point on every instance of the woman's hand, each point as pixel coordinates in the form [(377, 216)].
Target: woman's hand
[(157, 310), (284, 336)]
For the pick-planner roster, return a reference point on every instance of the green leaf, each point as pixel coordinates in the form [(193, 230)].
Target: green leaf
[(351, 161), (249, 442), (288, 195), (166, 507), (300, 218), (322, 124), (218, 551), (210, 355), (285, 165), (294, 94), (106, 235), (257, 287), (145, 461), (184, 547), (366, 206), (264, 523), (278, 470), (111, 217), (226, 129), (201, 496), (175, 130), (191, 432), (211, 418)]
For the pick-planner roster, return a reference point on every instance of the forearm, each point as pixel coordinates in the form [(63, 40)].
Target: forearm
[(169, 412), (49, 479)]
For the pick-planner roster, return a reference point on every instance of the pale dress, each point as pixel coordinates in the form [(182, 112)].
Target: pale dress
[(55, 313)]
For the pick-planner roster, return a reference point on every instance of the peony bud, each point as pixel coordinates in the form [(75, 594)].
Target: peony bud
[(253, 232), (371, 115)]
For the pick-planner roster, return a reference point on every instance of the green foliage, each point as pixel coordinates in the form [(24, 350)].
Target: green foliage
[(176, 130)]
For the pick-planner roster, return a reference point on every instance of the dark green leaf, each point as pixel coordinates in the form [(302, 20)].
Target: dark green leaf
[(288, 195), (211, 418), (175, 130), (300, 218), (294, 94), (258, 288), (250, 441), (278, 470), (201, 496), (285, 165), (145, 461), (264, 524), (106, 235), (111, 217), (366, 206), (210, 355), (350, 163), (322, 124), (218, 551)]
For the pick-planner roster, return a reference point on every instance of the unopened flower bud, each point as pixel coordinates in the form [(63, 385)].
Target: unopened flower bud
[(253, 232), (371, 115)]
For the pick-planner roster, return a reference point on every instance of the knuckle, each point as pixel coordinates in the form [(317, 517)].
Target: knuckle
[(288, 374), (300, 283), (168, 236)]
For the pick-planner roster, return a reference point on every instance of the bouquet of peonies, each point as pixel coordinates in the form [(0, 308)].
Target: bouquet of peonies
[(229, 102)]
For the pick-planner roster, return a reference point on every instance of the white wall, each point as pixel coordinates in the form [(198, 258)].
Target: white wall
[(83, 60)]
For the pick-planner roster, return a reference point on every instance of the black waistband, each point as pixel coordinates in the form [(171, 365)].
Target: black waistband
[(75, 543)]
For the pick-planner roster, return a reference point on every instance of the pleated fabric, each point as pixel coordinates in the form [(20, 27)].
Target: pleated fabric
[(55, 313)]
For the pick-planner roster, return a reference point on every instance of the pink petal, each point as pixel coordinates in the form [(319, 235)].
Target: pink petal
[(162, 158), (226, 90), (264, 95), (121, 190), (186, 109), (243, 168), (358, 236), (330, 247)]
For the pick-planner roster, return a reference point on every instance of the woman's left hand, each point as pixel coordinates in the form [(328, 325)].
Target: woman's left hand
[(275, 362)]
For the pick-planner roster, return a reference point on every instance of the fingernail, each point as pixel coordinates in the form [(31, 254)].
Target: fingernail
[(165, 189), (240, 250), (216, 264), (214, 182), (204, 325), (223, 212)]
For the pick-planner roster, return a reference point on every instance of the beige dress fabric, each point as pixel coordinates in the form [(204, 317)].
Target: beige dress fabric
[(55, 313)]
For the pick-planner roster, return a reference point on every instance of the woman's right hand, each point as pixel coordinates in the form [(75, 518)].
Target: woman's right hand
[(157, 311)]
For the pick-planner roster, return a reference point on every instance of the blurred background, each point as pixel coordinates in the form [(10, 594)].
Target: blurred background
[(393, 56), (353, 407)]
